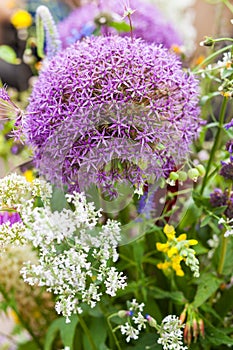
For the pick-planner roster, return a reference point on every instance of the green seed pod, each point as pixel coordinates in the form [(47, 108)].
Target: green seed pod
[(174, 176), (182, 175), (201, 169), (193, 174)]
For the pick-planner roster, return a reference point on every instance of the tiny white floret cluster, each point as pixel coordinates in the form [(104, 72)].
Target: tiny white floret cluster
[(171, 334), (75, 255)]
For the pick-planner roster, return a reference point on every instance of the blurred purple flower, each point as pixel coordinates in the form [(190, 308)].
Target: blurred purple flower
[(218, 198), (148, 22), (11, 217), (107, 99)]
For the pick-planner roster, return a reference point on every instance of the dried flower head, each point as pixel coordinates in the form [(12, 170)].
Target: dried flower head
[(148, 22), (107, 99)]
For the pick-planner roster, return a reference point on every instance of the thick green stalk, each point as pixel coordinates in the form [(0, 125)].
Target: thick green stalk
[(216, 142), (222, 254)]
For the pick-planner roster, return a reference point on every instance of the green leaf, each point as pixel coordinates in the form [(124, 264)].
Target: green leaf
[(206, 221), (120, 26), (176, 296), (148, 340), (98, 330), (8, 54), (216, 336), (58, 200), (226, 73), (207, 285), (66, 331), (29, 345)]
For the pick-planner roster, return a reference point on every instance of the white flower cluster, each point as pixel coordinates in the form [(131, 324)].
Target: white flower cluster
[(228, 223), (171, 334), (15, 190), (75, 255), (138, 322), (16, 193), (190, 260), (11, 235), (170, 331)]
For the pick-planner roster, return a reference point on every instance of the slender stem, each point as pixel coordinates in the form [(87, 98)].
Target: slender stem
[(23, 323), (131, 27), (222, 254), (216, 141), (210, 58), (86, 331), (227, 3), (113, 332)]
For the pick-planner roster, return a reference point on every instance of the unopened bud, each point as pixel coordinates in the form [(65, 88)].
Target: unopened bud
[(187, 334), (195, 329), (207, 42), (183, 316), (201, 327), (152, 322), (123, 313)]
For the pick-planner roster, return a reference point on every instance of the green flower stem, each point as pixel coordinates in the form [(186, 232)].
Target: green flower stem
[(113, 330), (216, 142), (228, 4), (222, 254), (210, 58), (21, 320), (86, 331)]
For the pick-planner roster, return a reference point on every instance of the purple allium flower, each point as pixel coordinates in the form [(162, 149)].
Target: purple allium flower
[(148, 23), (111, 100), (227, 170), (11, 217), (218, 198)]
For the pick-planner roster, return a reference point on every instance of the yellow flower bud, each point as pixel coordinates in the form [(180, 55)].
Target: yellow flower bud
[(21, 19), (169, 231)]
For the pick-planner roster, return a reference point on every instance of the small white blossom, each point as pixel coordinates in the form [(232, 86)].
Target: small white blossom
[(129, 331), (75, 255), (140, 320), (171, 334), (135, 306)]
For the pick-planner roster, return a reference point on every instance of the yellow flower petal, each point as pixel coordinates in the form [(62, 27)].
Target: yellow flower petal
[(172, 251), (169, 231), (182, 237), (162, 247), (193, 242)]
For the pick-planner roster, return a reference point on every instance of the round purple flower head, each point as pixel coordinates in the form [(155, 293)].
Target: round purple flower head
[(148, 23), (110, 109)]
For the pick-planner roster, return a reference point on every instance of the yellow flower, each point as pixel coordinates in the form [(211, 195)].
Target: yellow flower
[(21, 19), (192, 241), (29, 175), (182, 237), (164, 265), (172, 251), (162, 247), (176, 265), (169, 231)]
